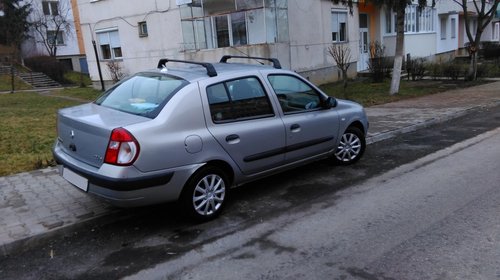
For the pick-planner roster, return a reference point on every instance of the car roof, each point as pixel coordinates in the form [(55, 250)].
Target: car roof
[(196, 72)]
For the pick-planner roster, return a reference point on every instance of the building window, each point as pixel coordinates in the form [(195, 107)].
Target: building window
[(388, 21), (339, 26), (222, 31), (50, 8), (473, 27), (453, 28), (496, 31), (143, 29), (443, 27), (239, 28), (419, 20), (55, 38), (109, 42), (217, 24)]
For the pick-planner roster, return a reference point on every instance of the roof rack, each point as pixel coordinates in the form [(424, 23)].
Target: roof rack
[(276, 63), (211, 72)]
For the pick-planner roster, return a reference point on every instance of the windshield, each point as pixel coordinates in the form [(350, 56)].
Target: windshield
[(143, 94)]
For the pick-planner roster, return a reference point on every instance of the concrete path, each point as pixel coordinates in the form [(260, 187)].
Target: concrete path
[(37, 205)]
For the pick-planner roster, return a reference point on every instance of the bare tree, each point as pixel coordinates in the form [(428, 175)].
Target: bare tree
[(341, 54), (52, 23), (399, 6), (115, 70), (483, 12)]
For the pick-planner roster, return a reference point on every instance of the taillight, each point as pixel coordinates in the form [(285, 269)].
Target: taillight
[(122, 149)]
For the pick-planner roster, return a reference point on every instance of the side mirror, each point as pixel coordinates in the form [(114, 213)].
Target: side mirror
[(329, 103)]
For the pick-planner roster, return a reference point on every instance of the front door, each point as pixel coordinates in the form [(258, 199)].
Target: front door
[(310, 130), (364, 43)]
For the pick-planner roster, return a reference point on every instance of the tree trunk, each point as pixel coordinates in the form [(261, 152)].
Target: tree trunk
[(400, 39), (472, 72)]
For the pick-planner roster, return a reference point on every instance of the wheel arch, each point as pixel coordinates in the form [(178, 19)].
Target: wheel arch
[(225, 167), (357, 124)]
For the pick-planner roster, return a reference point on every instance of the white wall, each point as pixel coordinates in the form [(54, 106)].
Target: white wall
[(309, 31), (34, 46), (449, 43), (311, 34), (139, 53)]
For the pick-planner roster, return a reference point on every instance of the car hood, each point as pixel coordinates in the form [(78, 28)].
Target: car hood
[(83, 131)]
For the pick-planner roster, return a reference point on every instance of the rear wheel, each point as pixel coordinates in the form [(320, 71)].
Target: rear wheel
[(205, 193), (351, 147)]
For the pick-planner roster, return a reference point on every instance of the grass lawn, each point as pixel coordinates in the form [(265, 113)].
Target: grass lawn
[(28, 120), (368, 94), (6, 83), (27, 129)]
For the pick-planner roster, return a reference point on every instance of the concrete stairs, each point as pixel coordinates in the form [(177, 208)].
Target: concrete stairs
[(38, 80), (35, 79)]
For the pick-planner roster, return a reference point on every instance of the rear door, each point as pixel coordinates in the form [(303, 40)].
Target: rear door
[(243, 121), (310, 129)]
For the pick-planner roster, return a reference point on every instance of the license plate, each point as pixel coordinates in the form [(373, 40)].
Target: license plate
[(75, 179)]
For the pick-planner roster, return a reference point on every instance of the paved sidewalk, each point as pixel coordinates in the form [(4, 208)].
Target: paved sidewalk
[(39, 204)]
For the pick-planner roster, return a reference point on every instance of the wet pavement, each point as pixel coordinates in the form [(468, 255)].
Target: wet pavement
[(39, 204)]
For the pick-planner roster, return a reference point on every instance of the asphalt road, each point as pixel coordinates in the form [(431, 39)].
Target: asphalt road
[(430, 219), (408, 210)]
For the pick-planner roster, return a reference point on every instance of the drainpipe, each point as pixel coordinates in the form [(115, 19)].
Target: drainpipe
[(98, 65)]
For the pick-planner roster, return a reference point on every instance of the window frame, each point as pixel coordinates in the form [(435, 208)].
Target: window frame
[(111, 51), (416, 21), (143, 28), (453, 26), (271, 113), (260, 25), (59, 37), (337, 39), (443, 22), (318, 93), (50, 8)]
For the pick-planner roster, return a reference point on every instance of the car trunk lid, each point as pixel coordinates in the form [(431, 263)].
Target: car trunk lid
[(84, 131)]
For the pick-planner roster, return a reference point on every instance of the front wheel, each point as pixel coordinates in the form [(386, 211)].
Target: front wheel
[(351, 147), (204, 195)]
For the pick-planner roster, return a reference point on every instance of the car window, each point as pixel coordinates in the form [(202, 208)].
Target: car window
[(294, 94), (143, 94), (238, 99)]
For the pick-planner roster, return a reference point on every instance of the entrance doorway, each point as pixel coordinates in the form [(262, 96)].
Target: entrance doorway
[(364, 43)]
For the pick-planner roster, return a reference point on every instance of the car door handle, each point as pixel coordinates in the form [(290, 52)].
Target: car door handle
[(295, 127), (233, 138)]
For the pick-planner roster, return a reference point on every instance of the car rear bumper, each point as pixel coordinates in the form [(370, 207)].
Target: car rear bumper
[(126, 186)]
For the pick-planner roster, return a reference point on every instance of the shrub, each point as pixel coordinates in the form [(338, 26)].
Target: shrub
[(490, 50), (416, 68), (379, 64), (435, 70), (453, 70), (49, 66)]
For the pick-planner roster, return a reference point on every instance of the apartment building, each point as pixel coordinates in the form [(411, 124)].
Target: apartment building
[(58, 33), (135, 36)]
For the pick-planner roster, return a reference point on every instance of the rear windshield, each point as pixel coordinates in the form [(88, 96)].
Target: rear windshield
[(143, 94)]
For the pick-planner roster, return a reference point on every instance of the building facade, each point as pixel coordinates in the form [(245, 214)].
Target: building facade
[(298, 33), (56, 31)]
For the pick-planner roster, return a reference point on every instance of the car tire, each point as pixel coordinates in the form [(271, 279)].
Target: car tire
[(205, 194), (351, 146)]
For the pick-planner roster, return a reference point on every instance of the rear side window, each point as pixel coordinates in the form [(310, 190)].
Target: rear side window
[(238, 99), (144, 94)]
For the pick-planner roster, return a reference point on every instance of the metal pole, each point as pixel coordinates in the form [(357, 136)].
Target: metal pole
[(98, 65), (12, 73)]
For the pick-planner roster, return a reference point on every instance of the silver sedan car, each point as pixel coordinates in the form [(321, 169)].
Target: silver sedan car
[(188, 134)]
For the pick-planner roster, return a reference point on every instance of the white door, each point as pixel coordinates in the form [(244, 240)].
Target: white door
[(364, 43)]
